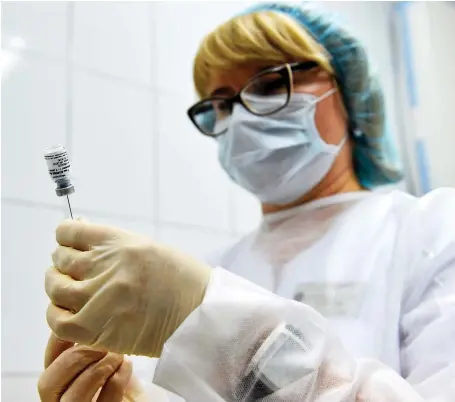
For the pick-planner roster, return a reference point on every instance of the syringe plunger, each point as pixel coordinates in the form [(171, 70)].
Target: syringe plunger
[(58, 165)]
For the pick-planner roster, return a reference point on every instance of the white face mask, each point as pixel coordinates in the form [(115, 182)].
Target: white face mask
[(279, 157)]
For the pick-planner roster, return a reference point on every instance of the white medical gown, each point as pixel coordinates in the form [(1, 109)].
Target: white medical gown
[(347, 298)]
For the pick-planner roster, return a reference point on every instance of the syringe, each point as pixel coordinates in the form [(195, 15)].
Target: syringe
[(58, 165)]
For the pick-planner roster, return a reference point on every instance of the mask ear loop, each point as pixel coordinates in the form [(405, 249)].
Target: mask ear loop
[(322, 97), (325, 95)]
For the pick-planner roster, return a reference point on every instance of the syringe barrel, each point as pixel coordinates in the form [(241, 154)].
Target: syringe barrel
[(58, 165)]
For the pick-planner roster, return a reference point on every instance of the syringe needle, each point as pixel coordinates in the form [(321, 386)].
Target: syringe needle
[(69, 205)]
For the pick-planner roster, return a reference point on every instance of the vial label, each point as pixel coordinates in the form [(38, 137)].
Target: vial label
[(58, 165)]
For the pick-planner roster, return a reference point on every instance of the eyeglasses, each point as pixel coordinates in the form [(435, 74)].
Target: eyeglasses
[(211, 116)]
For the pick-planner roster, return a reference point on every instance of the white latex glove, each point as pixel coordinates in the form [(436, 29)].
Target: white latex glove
[(118, 291), (82, 374)]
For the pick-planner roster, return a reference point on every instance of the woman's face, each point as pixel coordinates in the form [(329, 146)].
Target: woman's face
[(331, 118)]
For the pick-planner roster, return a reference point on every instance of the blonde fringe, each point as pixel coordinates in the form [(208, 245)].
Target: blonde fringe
[(267, 37)]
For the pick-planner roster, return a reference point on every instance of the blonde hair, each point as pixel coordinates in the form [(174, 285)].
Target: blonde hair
[(266, 37)]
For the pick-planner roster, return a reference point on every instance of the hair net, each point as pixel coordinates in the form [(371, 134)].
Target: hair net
[(375, 157)]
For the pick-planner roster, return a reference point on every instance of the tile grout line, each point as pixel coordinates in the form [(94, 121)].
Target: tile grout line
[(20, 374), (70, 67), (76, 67), (129, 218)]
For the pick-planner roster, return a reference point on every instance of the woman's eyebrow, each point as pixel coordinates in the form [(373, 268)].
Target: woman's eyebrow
[(221, 91)]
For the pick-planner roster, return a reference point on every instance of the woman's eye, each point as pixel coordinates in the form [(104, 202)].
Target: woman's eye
[(270, 87), (222, 108)]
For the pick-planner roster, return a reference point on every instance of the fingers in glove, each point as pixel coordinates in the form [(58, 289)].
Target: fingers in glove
[(55, 380), (62, 322), (64, 291), (87, 383), (82, 235), (55, 347), (116, 386), (72, 262)]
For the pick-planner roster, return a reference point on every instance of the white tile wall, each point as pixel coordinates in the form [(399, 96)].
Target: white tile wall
[(177, 47), (33, 118), (112, 146), (197, 243), (192, 187), (114, 38), (112, 81), (27, 243), (20, 389), (42, 26)]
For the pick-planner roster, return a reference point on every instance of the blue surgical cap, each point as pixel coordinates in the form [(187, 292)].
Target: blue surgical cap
[(376, 160)]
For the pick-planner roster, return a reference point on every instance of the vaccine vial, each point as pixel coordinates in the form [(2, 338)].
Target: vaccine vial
[(58, 165)]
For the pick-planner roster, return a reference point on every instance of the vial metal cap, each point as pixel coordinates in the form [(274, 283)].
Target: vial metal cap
[(64, 191)]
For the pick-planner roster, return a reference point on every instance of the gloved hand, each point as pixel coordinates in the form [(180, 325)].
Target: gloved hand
[(81, 374), (118, 291)]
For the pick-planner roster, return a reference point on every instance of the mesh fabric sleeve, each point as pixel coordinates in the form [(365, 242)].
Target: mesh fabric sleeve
[(247, 344)]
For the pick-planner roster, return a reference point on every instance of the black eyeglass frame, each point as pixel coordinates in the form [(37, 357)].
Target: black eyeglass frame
[(285, 70)]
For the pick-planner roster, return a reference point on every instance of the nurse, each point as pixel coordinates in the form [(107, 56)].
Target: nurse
[(341, 293)]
